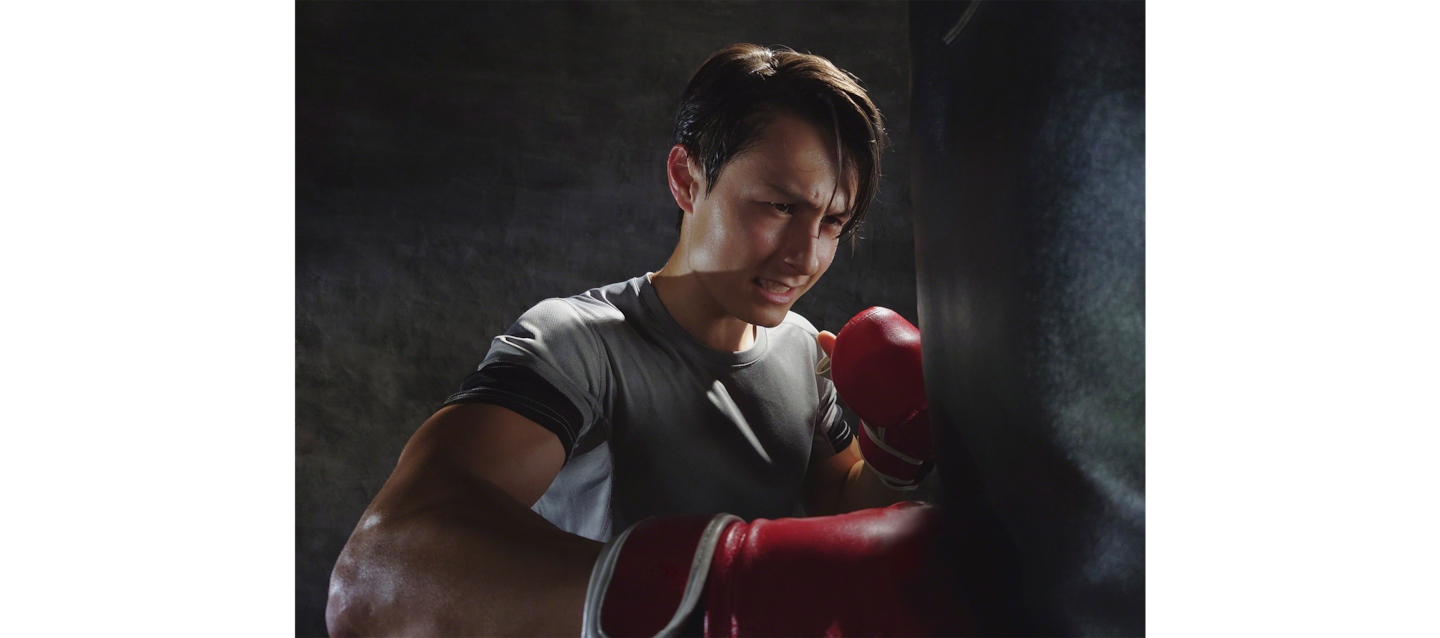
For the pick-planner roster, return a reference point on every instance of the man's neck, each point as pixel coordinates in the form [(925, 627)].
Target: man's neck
[(692, 308)]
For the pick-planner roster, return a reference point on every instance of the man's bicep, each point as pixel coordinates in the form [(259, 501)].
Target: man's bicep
[(516, 419), (490, 442)]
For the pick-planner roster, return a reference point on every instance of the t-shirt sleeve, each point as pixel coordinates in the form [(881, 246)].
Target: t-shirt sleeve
[(523, 390), (830, 417), (548, 367), (840, 435)]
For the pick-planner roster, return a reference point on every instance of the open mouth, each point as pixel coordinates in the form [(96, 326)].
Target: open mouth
[(774, 291), (777, 288)]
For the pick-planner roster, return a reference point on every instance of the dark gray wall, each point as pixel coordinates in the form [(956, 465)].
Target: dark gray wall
[(459, 162)]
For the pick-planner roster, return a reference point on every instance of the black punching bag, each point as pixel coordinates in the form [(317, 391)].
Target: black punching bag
[(1029, 187)]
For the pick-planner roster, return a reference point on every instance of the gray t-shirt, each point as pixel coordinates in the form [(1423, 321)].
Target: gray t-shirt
[(655, 423)]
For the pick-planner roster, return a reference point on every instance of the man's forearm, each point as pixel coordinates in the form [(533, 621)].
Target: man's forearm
[(480, 563), (863, 489)]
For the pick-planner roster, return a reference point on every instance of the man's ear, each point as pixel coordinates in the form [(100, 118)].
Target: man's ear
[(686, 181)]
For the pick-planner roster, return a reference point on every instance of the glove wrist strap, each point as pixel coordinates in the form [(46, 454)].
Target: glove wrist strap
[(645, 536)]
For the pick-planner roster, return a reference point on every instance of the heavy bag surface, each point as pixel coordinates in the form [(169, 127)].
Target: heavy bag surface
[(1028, 187)]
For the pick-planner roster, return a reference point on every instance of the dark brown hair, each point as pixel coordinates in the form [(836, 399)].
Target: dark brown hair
[(743, 86)]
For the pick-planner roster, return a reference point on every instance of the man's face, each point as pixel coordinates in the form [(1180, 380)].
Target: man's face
[(769, 228)]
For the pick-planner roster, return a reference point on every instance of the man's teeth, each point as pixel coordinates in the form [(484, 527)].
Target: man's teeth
[(774, 287)]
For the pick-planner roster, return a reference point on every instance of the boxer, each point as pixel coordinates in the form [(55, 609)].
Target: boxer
[(686, 392)]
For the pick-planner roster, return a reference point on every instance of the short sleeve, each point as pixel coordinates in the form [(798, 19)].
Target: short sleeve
[(520, 389), (830, 416), (549, 367)]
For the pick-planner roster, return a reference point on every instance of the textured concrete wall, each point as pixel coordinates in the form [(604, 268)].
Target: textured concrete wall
[(459, 162)]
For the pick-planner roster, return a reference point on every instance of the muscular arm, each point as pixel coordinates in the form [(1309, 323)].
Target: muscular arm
[(450, 546), (841, 484)]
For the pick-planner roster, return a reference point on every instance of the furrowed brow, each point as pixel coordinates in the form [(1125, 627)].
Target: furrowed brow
[(815, 204)]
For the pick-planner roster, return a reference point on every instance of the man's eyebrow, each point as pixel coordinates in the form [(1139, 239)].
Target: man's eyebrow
[(840, 196)]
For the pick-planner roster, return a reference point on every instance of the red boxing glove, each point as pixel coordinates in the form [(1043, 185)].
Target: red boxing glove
[(857, 574), (877, 372)]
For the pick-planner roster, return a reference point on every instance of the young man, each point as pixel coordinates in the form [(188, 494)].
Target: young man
[(691, 390)]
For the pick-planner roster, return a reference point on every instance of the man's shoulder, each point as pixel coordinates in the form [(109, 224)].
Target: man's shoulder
[(592, 309), (610, 299), (795, 334)]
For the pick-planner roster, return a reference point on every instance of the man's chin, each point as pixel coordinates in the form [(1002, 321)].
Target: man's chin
[(768, 317)]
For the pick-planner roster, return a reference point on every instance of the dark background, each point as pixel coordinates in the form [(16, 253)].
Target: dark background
[(459, 162)]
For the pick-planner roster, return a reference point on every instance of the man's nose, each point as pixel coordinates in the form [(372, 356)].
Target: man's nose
[(802, 246)]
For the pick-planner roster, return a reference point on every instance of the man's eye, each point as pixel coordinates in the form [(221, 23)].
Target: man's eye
[(784, 208), (833, 225)]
